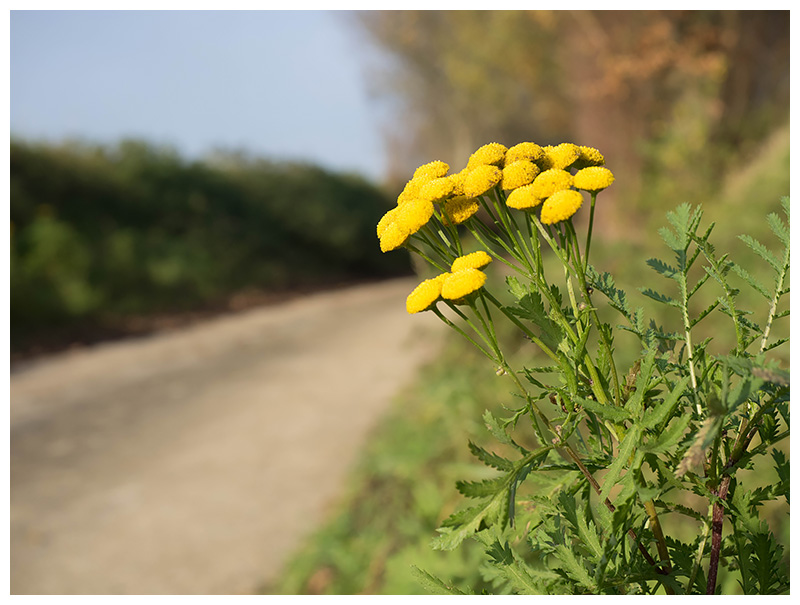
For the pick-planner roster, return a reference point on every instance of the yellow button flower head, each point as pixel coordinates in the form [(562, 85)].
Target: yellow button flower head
[(432, 170), (519, 173), (475, 260), (436, 189), (589, 156), (387, 220), (459, 284), (491, 153), (550, 181), (459, 209), (523, 198), (394, 236), (594, 178), (414, 215), (523, 151), (425, 294), (457, 179), (560, 156), (411, 190), (481, 179), (561, 205)]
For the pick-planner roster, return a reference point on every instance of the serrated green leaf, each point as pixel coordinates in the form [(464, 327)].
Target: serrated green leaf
[(480, 489), (779, 228), (754, 283), (605, 411), (495, 429), (635, 403), (493, 460), (531, 307), (630, 441), (663, 268), (659, 414), (461, 525), (658, 297), (522, 578), (760, 249), (573, 567), (669, 437), (585, 531), (703, 314), (433, 584), (777, 343)]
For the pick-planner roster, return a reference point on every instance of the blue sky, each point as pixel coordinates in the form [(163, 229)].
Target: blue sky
[(280, 84)]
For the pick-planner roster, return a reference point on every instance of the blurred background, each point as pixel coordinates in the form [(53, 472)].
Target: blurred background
[(171, 166)]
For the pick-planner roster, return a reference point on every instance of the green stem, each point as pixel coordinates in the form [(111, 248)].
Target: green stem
[(589, 232), (416, 250), (441, 316), (774, 304), (593, 313)]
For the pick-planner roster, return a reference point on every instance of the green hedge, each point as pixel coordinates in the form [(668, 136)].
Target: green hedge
[(103, 232)]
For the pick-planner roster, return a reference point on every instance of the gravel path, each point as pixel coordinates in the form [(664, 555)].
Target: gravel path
[(196, 461)]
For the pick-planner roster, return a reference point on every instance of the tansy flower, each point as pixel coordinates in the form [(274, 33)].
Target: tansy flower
[(414, 214), (394, 236), (387, 220), (523, 198), (560, 206), (523, 151), (594, 178), (550, 181), (560, 156), (589, 156), (475, 260), (459, 209), (481, 179), (436, 189), (457, 179), (519, 173), (425, 294), (432, 170), (491, 153), (412, 189), (459, 284)]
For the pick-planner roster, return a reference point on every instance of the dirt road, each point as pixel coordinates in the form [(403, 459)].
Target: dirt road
[(194, 462)]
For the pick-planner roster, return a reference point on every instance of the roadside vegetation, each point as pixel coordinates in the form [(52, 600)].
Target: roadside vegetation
[(100, 235)]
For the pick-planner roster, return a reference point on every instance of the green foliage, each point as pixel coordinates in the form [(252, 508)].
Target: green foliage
[(577, 511), (99, 233)]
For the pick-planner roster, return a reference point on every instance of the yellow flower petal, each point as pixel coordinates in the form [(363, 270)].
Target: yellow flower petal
[(560, 206), (432, 170), (550, 181), (425, 294), (464, 282), (523, 151), (594, 178), (414, 214), (386, 220), (523, 198), (481, 179), (560, 156), (393, 237), (519, 173), (491, 153), (589, 156), (475, 260), (436, 189), (459, 209)]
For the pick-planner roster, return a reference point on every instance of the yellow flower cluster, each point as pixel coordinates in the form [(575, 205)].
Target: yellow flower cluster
[(526, 174), (464, 278)]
